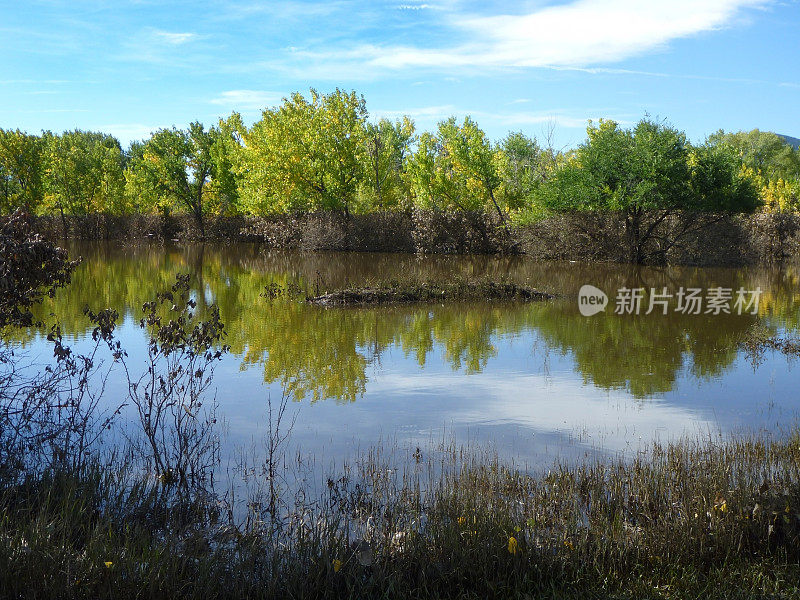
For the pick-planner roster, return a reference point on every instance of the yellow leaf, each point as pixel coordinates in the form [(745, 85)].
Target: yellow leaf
[(512, 545)]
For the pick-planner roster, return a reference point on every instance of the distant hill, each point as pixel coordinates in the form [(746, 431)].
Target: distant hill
[(792, 141)]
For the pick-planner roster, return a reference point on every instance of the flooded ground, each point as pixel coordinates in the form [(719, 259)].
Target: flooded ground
[(536, 380)]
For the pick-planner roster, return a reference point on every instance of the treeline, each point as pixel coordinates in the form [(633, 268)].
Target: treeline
[(321, 153)]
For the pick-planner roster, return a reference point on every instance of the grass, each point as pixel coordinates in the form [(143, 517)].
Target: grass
[(413, 291), (690, 519)]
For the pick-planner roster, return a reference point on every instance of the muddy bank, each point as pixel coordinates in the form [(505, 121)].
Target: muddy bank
[(428, 292)]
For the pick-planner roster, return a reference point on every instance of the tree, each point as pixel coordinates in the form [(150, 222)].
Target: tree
[(387, 146), (20, 171), (717, 182), (456, 169), (763, 151), (177, 166), (431, 188), (305, 154), (523, 166), (140, 196), (771, 164), (645, 175), (225, 184), (83, 172)]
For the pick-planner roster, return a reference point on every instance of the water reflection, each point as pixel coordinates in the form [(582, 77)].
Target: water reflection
[(326, 353)]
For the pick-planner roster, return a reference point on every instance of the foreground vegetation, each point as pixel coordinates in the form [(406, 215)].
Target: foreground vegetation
[(684, 520), (321, 154)]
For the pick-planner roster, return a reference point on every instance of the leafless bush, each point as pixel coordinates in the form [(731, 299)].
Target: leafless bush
[(461, 232), (180, 444), (575, 236), (276, 231), (50, 418), (30, 269), (774, 236)]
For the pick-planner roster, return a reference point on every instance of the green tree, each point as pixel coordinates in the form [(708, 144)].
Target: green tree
[(770, 163), (456, 169), (226, 146), (387, 147), (20, 171), (177, 167), (307, 154), (645, 175), (523, 166), (140, 196), (762, 151), (718, 185), (83, 172), (432, 189)]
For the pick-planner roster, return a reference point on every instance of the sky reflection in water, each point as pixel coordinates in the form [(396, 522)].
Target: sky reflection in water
[(536, 380)]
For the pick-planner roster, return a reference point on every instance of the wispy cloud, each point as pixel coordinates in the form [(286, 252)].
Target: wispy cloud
[(33, 81), (429, 115), (425, 113), (128, 132), (585, 32), (247, 100), (289, 9), (53, 110), (580, 35), (168, 48), (173, 38)]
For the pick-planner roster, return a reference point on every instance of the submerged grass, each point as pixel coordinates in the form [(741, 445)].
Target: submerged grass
[(414, 291), (697, 518)]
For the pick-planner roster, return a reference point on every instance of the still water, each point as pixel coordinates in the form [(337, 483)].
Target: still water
[(536, 380)]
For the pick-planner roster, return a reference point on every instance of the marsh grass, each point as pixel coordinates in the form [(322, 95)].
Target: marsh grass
[(694, 518), (410, 290)]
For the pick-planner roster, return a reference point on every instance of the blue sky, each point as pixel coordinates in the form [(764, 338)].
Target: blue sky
[(129, 67)]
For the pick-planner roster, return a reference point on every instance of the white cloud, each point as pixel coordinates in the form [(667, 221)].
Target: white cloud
[(247, 100), (585, 32), (429, 115), (173, 38), (53, 110), (425, 113), (34, 81), (518, 119), (129, 132), (580, 35), (528, 401), (159, 47)]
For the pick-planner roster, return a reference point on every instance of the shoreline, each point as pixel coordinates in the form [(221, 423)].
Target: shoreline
[(762, 238), (684, 519)]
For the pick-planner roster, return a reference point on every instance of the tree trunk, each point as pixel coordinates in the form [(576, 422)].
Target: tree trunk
[(63, 221), (197, 208), (633, 225), (198, 215)]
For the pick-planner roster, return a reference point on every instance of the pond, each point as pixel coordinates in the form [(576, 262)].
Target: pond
[(535, 380)]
